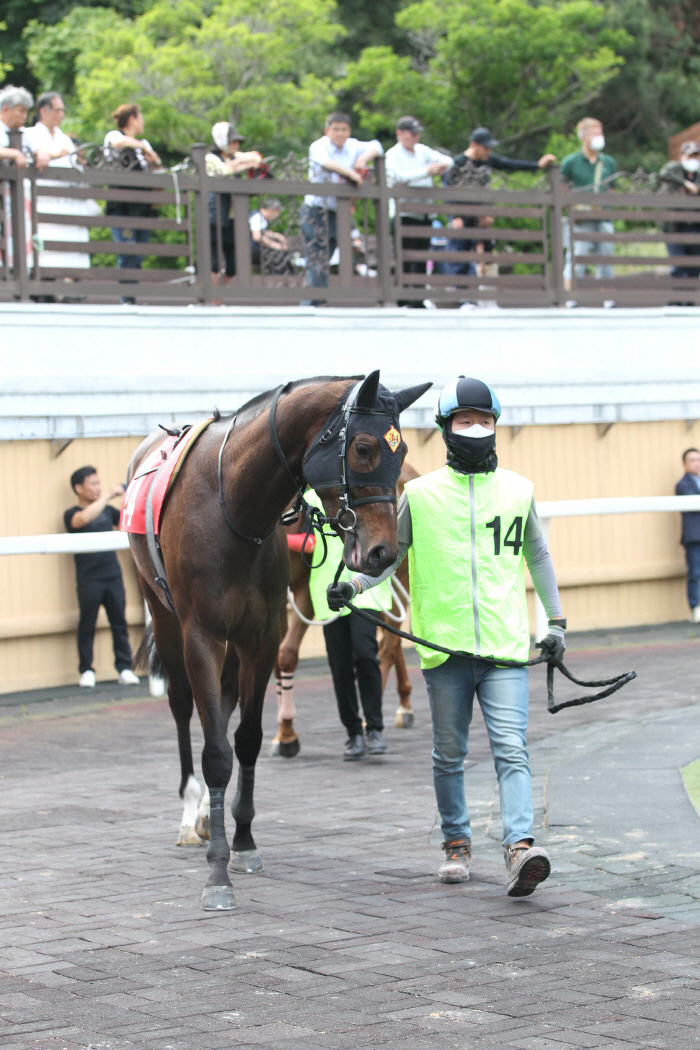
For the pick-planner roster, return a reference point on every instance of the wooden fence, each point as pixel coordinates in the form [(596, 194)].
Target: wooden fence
[(511, 247)]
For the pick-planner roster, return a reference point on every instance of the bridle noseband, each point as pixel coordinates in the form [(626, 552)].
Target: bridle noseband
[(313, 515)]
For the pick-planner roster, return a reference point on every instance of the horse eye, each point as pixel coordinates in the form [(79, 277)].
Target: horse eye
[(363, 450)]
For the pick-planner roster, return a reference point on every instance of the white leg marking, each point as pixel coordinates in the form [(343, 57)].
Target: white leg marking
[(192, 795), (201, 824), (286, 703)]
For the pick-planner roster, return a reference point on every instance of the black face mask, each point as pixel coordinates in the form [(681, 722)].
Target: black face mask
[(367, 408), (470, 455)]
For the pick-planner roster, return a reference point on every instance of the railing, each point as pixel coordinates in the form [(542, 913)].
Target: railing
[(512, 248), (64, 543)]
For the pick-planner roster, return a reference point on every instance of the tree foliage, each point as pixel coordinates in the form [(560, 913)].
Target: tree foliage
[(518, 68)]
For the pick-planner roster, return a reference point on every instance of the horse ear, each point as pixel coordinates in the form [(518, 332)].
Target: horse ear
[(406, 397), (367, 394)]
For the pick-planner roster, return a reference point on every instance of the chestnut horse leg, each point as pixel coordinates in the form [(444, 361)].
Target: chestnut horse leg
[(257, 661), (168, 642), (404, 712), (204, 659)]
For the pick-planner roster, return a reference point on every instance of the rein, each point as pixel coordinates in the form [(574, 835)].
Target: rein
[(612, 684)]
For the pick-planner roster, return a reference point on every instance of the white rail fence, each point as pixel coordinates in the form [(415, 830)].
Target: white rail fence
[(65, 543)]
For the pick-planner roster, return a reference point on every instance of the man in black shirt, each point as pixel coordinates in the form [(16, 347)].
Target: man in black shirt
[(98, 576), (473, 168)]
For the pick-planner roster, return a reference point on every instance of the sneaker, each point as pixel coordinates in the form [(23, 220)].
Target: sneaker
[(376, 744), (355, 748), (571, 304), (458, 858), (127, 677), (87, 680), (608, 304), (527, 868), (695, 614)]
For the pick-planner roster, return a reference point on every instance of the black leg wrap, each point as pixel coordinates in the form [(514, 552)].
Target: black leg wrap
[(218, 852), (244, 856), (242, 807)]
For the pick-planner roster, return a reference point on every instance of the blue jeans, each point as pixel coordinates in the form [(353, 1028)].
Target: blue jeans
[(130, 262), (692, 558), (503, 695), (605, 249)]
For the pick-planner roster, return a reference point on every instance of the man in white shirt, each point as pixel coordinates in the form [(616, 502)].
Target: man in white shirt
[(412, 162), (337, 158), (15, 103)]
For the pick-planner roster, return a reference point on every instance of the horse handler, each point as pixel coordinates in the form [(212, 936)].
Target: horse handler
[(469, 528)]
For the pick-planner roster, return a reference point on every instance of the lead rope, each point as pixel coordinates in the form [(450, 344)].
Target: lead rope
[(612, 684)]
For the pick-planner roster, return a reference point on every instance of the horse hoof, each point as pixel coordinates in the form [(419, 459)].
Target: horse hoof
[(188, 837), (218, 898), (201, 828), (245, 862), (404, 719), (289, 749)]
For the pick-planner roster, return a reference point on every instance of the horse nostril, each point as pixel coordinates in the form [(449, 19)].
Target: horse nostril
[(378, 557)]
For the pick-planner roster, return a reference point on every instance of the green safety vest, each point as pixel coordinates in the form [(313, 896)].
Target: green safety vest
[(379, 598), (466, 563)]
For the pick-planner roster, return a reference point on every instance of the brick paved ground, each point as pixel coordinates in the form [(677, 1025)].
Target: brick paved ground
[(348, 940)]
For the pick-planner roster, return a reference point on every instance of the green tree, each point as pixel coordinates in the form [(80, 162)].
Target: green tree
[(267, 64), (657, 93), (520, 68)]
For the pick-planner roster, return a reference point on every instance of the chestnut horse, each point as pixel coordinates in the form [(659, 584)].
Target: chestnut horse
[(227, 567), (286, 742)]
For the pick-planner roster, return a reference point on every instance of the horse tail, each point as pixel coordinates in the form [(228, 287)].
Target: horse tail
[(146, 656)]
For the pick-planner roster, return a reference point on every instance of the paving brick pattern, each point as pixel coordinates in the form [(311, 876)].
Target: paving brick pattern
[(348, 940)]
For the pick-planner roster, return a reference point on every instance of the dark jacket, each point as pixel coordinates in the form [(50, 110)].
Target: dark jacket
[(689, 485), (672, 179)]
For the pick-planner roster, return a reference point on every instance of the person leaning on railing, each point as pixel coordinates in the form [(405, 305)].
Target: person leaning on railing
[(127, 145), (682, 177), (15, 103), (335, 157), (226, 159), (262, 237)]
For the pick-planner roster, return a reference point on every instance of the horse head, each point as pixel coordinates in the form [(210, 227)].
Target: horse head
[(354, 464)]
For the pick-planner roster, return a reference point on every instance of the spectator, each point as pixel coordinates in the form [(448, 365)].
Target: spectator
[(263, 237), (412, 162), (46, 135), (99, 578), (473, 167), (336, 158), (591, 170), (681, 177), (15, 103), (689, 485), (127, 146), (225, 160)]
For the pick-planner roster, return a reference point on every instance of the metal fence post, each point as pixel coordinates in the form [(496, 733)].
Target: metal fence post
[(556, 214), (19, 232), (387, 291), (201, 224)]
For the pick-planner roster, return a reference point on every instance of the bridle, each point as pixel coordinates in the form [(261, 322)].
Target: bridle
[(346, 518)]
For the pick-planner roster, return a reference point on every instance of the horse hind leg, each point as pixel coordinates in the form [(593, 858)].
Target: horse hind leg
[(286, 742)]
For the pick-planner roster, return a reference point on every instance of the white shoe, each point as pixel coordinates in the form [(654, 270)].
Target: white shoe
[(608, 304), (429, 304), (694, 616), (87, 680), (127, 677), (570, 304), (156, 685)]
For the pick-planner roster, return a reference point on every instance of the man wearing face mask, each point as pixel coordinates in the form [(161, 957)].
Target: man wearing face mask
[(682, 177), (591, 170), (469, 529)]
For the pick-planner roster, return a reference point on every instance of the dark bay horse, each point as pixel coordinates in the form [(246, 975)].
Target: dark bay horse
[(227, 566)]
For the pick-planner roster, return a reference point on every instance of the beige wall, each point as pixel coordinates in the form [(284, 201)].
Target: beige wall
[(614, 571)]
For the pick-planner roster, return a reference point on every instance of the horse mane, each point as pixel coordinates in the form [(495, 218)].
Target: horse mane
[(253, 408)]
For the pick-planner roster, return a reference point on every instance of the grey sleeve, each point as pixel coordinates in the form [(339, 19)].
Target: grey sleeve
[(404, 532), (539, 562)]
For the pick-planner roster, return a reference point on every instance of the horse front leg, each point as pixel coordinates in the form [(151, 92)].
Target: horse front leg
[(286, 742), (255, 674), (204, 659)]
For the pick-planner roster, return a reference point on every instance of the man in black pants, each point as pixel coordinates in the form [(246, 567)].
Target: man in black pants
[(351, 645), (98, 576)]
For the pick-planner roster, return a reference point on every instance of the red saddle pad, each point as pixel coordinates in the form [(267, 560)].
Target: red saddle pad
[(172, 452)]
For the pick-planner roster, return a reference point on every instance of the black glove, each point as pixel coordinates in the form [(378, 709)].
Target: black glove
[(553, 647), (338, 591)]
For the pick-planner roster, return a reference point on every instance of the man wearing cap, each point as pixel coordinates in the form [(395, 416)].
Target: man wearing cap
[(412, 162), (469, 529), (682, 177), (225, 160), (473, 167)]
